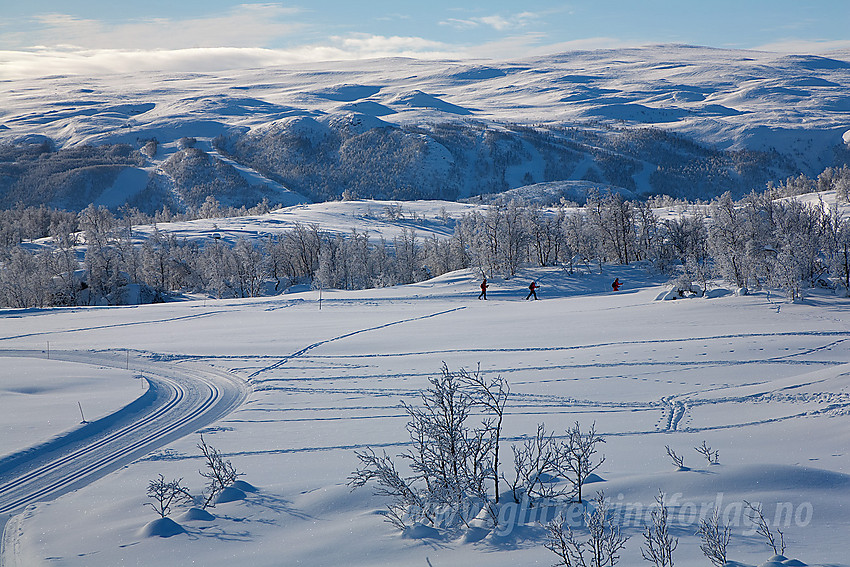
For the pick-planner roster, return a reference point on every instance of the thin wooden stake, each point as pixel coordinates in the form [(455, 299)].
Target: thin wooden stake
[(81, 413)]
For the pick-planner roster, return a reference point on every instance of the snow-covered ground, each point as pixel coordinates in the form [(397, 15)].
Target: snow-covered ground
[(45, 395), (760, 380)]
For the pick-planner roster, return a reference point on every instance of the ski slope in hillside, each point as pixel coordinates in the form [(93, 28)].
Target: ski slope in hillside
[(762, 381)]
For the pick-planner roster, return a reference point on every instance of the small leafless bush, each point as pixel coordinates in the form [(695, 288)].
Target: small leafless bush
[(756, 517), (715, 537), (678, 460), (660, 545), (602, 546), (712, 456), (166, 494), (220, 472)]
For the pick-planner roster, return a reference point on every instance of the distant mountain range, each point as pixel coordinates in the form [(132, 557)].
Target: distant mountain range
[(685, 121)]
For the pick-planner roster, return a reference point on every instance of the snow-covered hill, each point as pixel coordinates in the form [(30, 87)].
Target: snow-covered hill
[(403, 128)]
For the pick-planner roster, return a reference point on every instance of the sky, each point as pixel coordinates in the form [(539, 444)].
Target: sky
[(221, 33)]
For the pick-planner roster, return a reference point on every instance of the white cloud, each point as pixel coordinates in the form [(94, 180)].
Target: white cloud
[(495, 21), (247, 25), (498, 23), (460, 24), (370, 44), (70, 60)]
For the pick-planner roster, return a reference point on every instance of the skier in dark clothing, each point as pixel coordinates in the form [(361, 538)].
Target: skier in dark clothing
[(533, 291), (616, 284), (483, 293)]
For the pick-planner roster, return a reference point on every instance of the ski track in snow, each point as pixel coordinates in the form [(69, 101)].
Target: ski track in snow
[(845, 334), (178, 402), (347, 335), (117, 325), (675, 409)]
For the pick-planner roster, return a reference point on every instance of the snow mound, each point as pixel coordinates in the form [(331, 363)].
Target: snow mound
[(419, 99), (196, 514), (347, 92), (479, 73), (244, 486), (717, 292), (474, 534), (640, 113), (368, 107), (162, 527), (420, 531), (230, 494), (131, 109), (593, 477)]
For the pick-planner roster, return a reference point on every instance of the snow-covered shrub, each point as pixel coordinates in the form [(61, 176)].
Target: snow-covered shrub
[(164, 495), (602, 546), (450, 460), (659, 544), (220, 472), (715, 536)]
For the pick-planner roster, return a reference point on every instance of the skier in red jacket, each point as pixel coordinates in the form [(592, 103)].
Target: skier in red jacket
[(533, 291), (483, 289), (616, 284)]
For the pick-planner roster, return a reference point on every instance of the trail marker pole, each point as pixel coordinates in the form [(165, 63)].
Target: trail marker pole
[(81, 413), (48, 350)]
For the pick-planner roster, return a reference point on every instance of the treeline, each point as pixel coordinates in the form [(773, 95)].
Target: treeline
[(752, 243), (21, 223), (34, 172)]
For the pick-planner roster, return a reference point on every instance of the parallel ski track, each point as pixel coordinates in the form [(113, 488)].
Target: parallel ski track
[(183, 403)]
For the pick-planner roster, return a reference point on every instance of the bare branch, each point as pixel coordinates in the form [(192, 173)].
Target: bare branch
[(660, 545), (678, 460), (756, 517), (713, 457), (166, 494), (715, 537)]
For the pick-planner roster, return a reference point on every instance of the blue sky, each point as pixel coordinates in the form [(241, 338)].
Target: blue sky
[(332, 29)]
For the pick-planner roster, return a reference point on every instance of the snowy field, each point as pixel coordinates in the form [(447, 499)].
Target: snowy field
[(763, 381), (45, 394)]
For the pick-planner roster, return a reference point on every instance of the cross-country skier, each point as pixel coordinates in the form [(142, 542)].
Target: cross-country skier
[(616, 284), (483, 293), (532, 291)]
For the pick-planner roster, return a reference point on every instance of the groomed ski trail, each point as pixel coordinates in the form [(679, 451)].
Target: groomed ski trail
[(181, 398)]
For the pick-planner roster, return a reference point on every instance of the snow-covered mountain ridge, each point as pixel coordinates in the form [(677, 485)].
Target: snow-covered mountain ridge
[(681, 120)]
